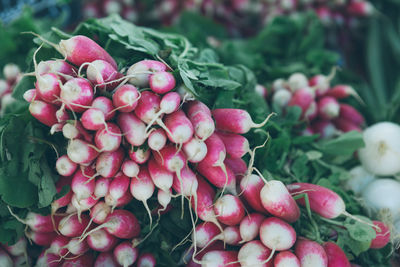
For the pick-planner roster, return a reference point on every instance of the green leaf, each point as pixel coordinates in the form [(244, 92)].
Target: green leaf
[(345, 144)]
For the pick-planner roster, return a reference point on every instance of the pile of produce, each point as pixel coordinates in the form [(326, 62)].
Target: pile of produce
[(12, 74), (135, 141)]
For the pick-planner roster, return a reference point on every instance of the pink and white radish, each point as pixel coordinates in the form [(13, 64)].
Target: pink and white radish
[(18, 248), (105, 259), (204, 234), (195, 150), (125, 99), (101, 187), (73, 226), (139, 154), (65, 166), (229, 209), (250, 227), (93, 119), (146, 260), (277, 234), (139, 72), (200, 117), (82, 205), (162, 82), (82, 184), (157, 139), (101, 73), (220, 258), (180, 129), (161, 177), (119, 185), (382, 235), (108, 138), (328, 108), (336, 256), (303, 99), (41, 239), (297, 81), (99, 212), (76, 247), (81, 152), (238, 166), (48, 87), (254, 253), (43, 112), (77, 94), (281, 98), (311, 254), (106, 105), (109, 163), (130, 168), (346, 125), (101, 240), (133, 128), (125, 254), (236, 145), (286, 259), (148, 106), (350, 113)]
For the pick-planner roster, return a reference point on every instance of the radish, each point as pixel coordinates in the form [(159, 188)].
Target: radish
[(109, 163), (38, 223), (195, 106), (108, 138), (186, 183), (221, 177), (220, 258), (18, 248), (229, 210), (360, 8), (325, 128), (73, 226), (238, 166), (381, 153), (48, 87), (146, 260), (11, 72), (200, 117), (82, 184), (48, 260), (59, 246), (119, 223), (112, 7), (100, 72), (195, 259), (161, 177), (254, 253), (64, 200), (250, 227), (77, 248), (281, 98), (342, 91), (236, 145), (382, 235), (58, 66), (297, 81), (171, 159), (105, 105), (148, 106), (140, 71), (328, 108), (30, 95), (139, 154), (105, 259), (303, 99), (349, 113), (195, 150), (321, 83), (81, 261), (65, 166), (276, 234), (119, 185), (235, 120), (279, 84), (130, 168), (311, 254), (277, 200), (101, 240), (336, 256), (261, 90), (122, 201), (359, 180), (204, 234), (286, 259), (180, 129), (157, 139), (164, 198), (346, 125), (82, 205), (125, 98), (77, 94), (43, 112), (162, 82), (101, 187), (93, 119), (142, 188), (100, 211), (75, 130), (125, 254), (81, 152), (133, 128), (41, 239), (312, 111)]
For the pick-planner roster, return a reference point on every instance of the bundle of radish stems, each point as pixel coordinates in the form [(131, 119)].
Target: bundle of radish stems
[(147, 138)]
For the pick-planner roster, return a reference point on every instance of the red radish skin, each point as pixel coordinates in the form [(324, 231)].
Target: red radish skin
[(77, 94), (18, 248), (93, 119), (236, 145), (351, 114), (130, 168), (57, 66), (218, 245), (195, 150), (328, 108), (205, 200), (80, 49), (139, 155), (161, 177), (195, 106), (286, 259), (217, 176), (360, 8), (204, 234), (238, 166), (71, 226), (125, 254), (101, 241), (216, 152), (99, 212), (202, 122), (148, 106), (101, 187), (82, 205), (321, 84), (139, 72), (59, 245), (250, 187), (186, 183), (65, 166), (336, 256), (162, 82), (146, 260), (302, 98), (108, 138), (82, 185), (157, 139), (220, 258), (277, 200), (39, 223), (323, 201), (48, 260), (325, 129), (119, 185), (64, 200), (77, 248), (179, 126), (105, 259), (341, 91), (311, 254), (43, 112), (30, 95), (170, 102), (100, 72), (41, 239), (276, 234), (109, 163), (82, 261), (254, 253), (133, 128), (48, 87), (229, 210), (346, 125), (250, 227), (122, 201), (312, 111), (142, 188), (125, 98), (235, 120), (170, 158), (382, 235), (81, 152), (105, 105)]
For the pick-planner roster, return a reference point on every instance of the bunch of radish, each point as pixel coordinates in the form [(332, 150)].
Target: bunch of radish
[(320, 103), (12, 74)]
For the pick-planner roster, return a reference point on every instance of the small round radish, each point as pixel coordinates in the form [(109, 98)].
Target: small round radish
[(102, 73), (276, 234), (18, 248), (81, 152), (164, 198), (336, 256), (11, 71), (43, 112), (148, 106), (204, 234), (261, 90), (238, 166), (130, 168), (81, 261), (119, 185), (59, 245), (41, 239), (185, 183), (328, 108), (139, 155), (250, 226), (101, 187), (146, 260), (311, 254), (105, 105), (321, 83), (195, 150), (349, 113), (109, 163), (82, 205), (72, 226), (93, 119), (382, 235), (162, 82), (157, 139), (48, 87), (77, 94), (278, 84), (302, 98), (125, 98), (122, 201), (100, 211), (108, 138), (140, 71), (142, 188), (179, 126), (346, 125), (170, 102), (133, 128), (82, 185), (76, 247), (161, 177), (105, 259), (342, 91), (236, 145), (326, 129), (101, 240), (286, 259), (48, 260), (220, 258), (29, 95), (65, 166), (297, 81), (125, 254), (229, 210), (281, 98), (251, 186), (254, 253)]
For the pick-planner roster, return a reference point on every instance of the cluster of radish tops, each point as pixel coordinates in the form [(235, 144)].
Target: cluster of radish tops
[(147, 139)]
